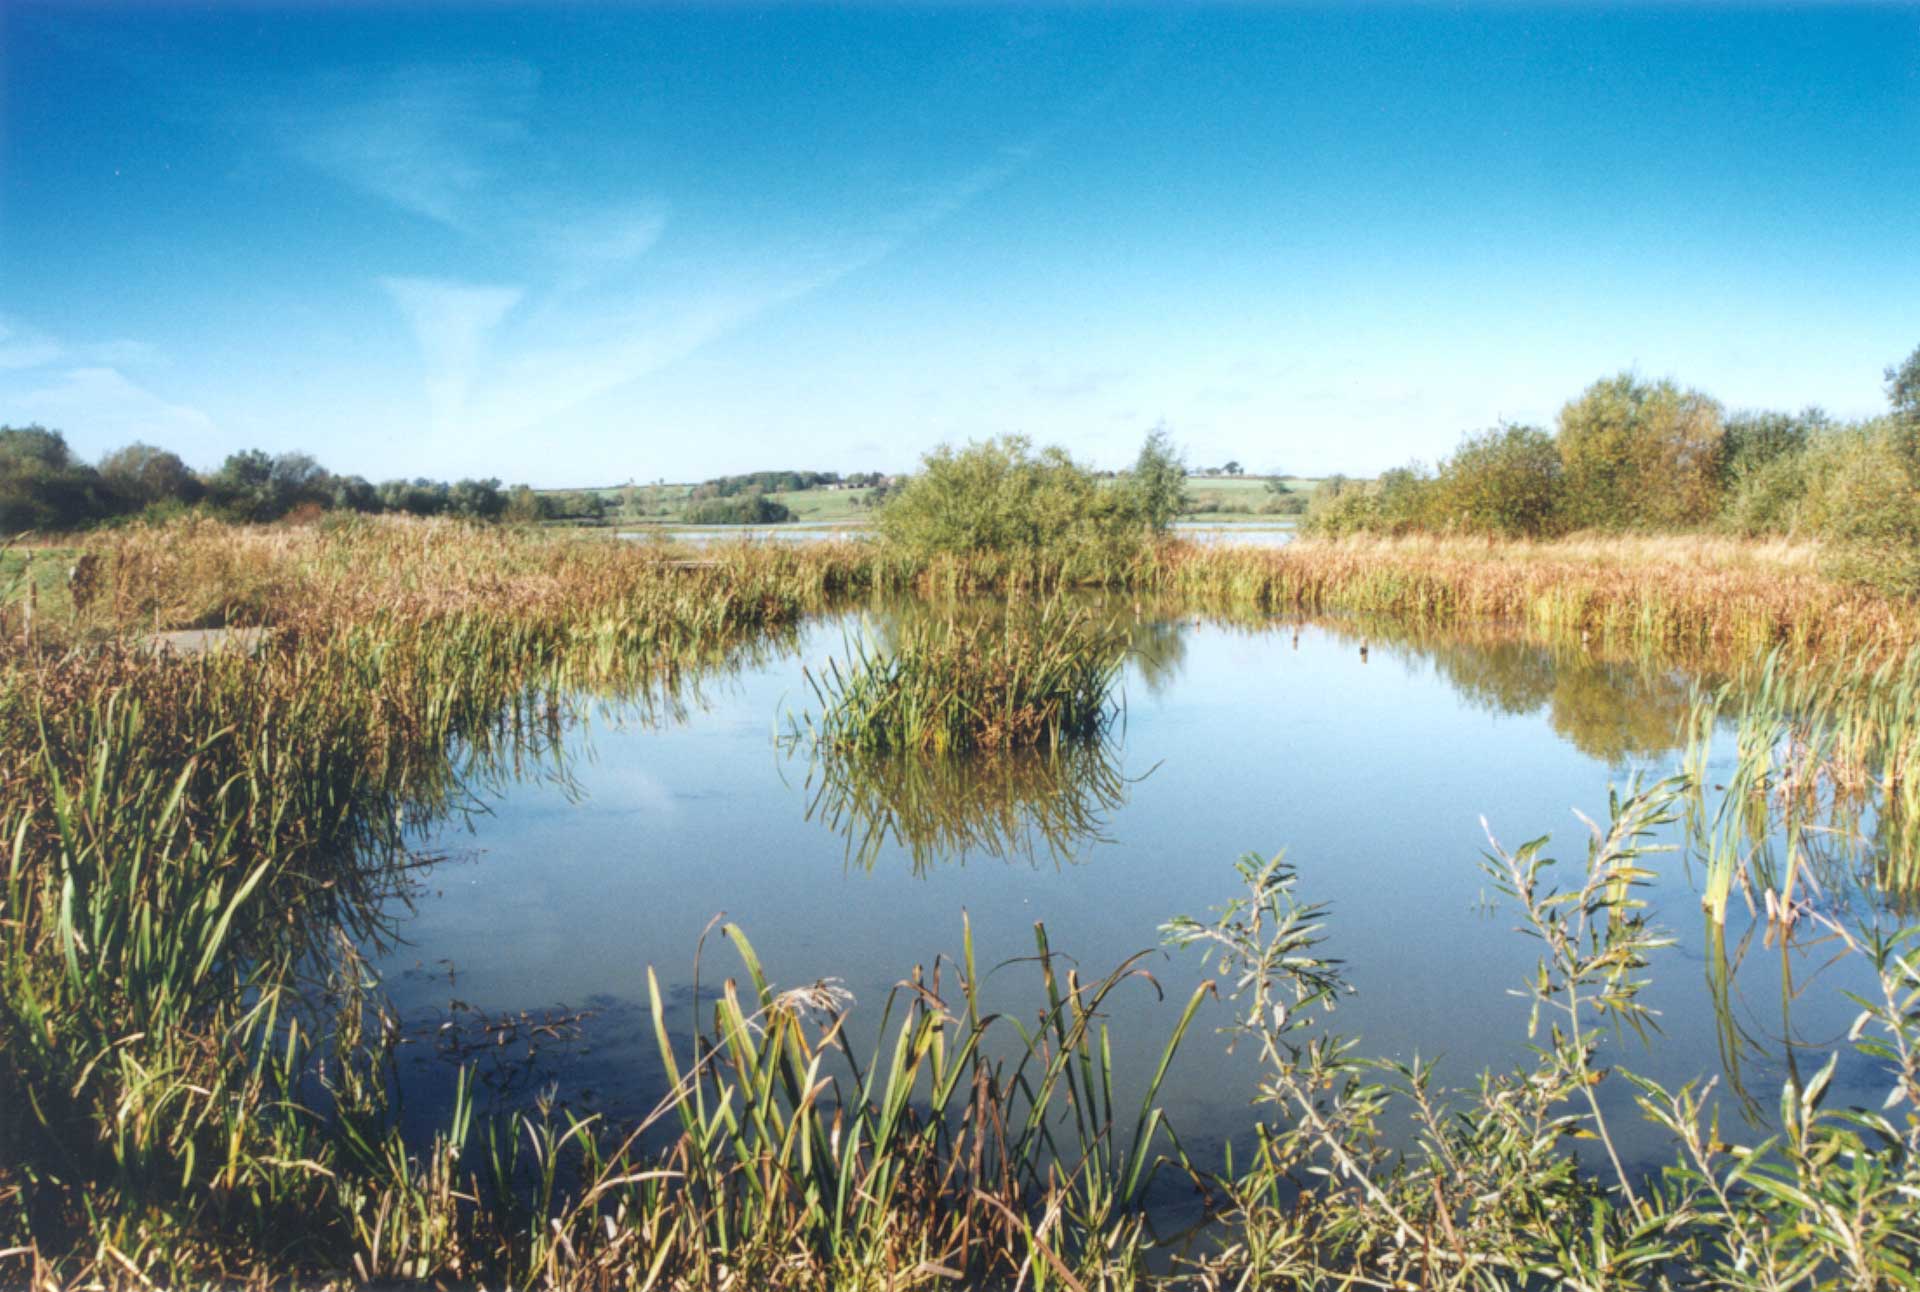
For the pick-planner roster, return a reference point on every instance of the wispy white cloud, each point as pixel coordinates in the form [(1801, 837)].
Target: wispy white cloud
[(102, 408), (422, 138), (25, 347), (575, 350), (591, 245), (451, 322), (439, 143), (124, 354), (1062, 387), (22, 347)]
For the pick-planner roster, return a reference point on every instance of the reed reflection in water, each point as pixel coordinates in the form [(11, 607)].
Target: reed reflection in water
[(1024, 804)]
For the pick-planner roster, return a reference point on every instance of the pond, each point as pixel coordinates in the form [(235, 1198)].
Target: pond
[(1371, 761)]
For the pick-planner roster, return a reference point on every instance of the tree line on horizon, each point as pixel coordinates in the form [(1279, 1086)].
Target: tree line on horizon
[(1626, 454), (1644, 455), (44, 486)]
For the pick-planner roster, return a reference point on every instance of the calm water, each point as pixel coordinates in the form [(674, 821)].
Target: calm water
[(1236, 534), (1372, 773), (1244, 534), (790, 533)]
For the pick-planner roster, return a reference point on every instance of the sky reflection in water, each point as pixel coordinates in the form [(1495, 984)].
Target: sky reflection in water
[(1372, 773)]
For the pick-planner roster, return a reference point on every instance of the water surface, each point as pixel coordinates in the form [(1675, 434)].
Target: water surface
[(1372, 763)]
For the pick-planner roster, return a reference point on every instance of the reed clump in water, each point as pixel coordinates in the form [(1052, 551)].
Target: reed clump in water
[(1041, 675)]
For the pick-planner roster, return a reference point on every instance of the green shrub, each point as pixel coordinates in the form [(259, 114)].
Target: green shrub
[(1903, 396), (1508, 481), (1859, 495), (1401, 501), (1641, 455), (751, 508), (999, 497), (1405, 500), (1341, 506), (1768, 498)]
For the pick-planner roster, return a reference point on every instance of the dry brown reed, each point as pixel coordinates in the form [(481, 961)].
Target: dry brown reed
[(1696, 595)]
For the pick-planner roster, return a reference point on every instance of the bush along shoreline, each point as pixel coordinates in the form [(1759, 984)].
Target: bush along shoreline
[(1629, 454)]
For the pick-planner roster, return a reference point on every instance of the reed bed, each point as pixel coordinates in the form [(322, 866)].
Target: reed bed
[(1040, 675), (189, 1067), (1701, 599)]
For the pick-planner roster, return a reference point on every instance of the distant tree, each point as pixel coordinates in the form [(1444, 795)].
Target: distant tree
[(1903, 394), (256, 486), (477, 500), (525, 507), (1157, 484), (298, 478), (574, 504), (765, 482), (1232, 468), (416, 497), (42, 486), (354, 493), (243, 486), (749, 508), (142, 475), (1754, 439)]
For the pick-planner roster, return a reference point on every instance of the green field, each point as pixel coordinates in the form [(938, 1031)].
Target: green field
[(821, 506), (47, 567), (1236, 498)]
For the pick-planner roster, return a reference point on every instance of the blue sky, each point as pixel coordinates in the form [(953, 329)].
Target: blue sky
[(574, 244)]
